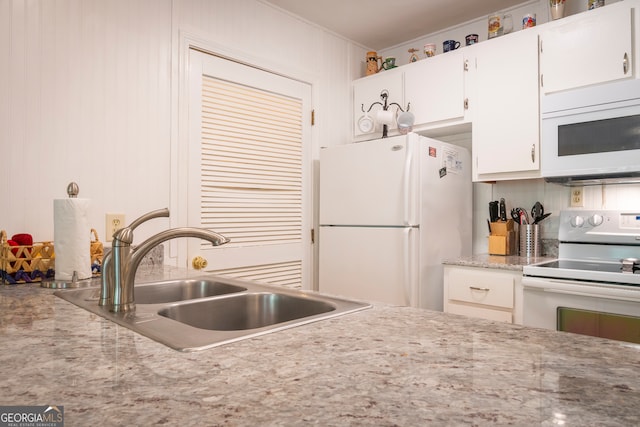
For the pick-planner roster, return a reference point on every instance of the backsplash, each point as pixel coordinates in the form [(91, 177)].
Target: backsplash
[(154, 258), (554, 197)]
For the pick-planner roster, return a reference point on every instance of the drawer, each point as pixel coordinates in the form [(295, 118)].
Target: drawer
[(480, 312), (480, 286)]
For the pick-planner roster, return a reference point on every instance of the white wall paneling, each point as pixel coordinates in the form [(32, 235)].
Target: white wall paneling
[(89, 92), (89, 102)]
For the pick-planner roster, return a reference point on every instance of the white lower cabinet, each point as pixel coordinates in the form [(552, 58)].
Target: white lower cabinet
[(487, 293)]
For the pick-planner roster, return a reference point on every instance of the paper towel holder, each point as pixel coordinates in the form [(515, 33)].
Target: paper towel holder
[(73, 190)]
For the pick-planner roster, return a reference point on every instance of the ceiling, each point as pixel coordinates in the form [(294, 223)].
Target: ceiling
[(379, 24)]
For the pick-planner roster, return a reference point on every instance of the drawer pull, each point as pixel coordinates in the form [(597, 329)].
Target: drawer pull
[(475, 288)]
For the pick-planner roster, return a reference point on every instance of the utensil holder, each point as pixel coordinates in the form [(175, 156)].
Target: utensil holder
[(530, 243)]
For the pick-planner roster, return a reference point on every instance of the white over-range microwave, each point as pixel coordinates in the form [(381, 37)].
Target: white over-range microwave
[(592, 134)]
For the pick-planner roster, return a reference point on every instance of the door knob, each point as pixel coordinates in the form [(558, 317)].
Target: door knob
[(199, 263)]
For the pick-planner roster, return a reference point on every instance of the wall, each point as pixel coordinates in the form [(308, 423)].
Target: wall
[(89, 93), (85, 98)]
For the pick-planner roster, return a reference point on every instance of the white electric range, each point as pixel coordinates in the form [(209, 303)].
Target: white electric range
[(593, 287)]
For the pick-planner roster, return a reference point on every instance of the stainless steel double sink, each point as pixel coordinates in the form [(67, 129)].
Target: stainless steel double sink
[(199, 313)]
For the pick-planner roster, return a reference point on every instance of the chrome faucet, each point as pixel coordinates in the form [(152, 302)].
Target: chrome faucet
[(109, 272), (121, 264)]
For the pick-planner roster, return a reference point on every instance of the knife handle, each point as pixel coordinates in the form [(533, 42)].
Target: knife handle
[(493, 211), (503, 210)]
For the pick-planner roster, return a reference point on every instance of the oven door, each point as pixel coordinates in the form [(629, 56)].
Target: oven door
[(603, 310)]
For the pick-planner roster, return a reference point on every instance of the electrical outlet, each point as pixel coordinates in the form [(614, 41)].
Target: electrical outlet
[(577, 197), (114, 222)]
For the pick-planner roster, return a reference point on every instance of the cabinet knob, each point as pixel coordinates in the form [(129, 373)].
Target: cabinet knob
[(625, 63), (199, 263)]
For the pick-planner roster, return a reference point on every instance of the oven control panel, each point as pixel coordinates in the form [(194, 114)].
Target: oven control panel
[(630, 221), (600, 226)]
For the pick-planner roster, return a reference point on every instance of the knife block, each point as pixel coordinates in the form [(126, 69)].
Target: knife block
[(503, 238)]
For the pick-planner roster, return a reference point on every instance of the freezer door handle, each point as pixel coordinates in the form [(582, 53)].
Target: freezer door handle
[(407, 184)]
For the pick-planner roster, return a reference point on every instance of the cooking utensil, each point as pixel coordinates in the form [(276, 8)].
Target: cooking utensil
[(520, 216), (515, 215), (537, 211), (537, 220), (523, 218)]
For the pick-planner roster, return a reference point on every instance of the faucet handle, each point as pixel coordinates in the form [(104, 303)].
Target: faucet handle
[(124, 235)]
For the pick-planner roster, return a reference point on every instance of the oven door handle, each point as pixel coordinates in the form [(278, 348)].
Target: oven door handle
[(572, 287)]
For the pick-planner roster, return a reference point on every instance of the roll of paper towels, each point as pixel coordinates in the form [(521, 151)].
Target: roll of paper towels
[(72, 238)]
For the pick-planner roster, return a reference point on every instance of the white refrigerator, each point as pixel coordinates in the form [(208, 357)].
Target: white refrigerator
[(391, 210)]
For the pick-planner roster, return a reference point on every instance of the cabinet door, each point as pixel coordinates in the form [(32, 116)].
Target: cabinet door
[(485, 287), (367, 90), (506, 130), (435, 88), (481, 292), (481, 312), (593, 47)]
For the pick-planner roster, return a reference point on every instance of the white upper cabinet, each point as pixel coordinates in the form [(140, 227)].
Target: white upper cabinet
[(435, 88), (506, 131), (494, 88), (366, 91), (588, 48)]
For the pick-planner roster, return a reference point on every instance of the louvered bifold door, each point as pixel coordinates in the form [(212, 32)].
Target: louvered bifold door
[(252, 175)]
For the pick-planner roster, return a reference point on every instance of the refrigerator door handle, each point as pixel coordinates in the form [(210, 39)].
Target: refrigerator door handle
[(406, 185)]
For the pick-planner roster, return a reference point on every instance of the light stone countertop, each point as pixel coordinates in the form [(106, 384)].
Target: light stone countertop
[(510, 262), (384, 366)]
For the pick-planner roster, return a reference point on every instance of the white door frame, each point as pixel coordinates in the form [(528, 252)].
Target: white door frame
[(177, 251)]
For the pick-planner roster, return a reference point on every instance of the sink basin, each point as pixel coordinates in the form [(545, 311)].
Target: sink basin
[(246, 311), (200, 313), (181, 290)]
